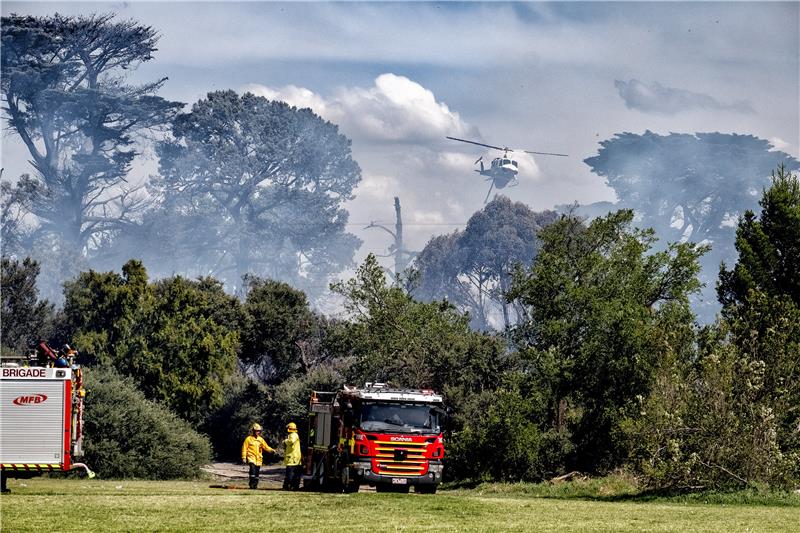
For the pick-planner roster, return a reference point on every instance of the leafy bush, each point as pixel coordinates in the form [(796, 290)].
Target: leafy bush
[(289, 401), (495, 439), (711, 424), (176, 337), (128, 436), (247, 401), (728, 417), (602, 305)]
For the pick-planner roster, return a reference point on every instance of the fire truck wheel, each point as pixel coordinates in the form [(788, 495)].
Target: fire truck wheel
[(323, 483), (425, 489), (348, 485)]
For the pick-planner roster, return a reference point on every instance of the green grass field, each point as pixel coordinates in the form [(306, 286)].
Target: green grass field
[(100, 505)]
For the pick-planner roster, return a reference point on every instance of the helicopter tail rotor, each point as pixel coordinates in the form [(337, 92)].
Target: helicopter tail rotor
[(478, 160)]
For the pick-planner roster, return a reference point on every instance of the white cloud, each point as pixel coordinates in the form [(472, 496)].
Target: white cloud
[(528, 169), (399, 109), (377, 187), (656, 98), (454, 161), (297, 96), (394, 109), (779, 144), (428, 217), (729, 220)]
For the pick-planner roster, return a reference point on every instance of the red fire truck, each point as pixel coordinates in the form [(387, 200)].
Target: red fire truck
[(41, 413), (388, 438)]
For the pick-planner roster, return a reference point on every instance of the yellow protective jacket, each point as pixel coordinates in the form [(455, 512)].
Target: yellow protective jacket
[(291, 451), (253, 448)]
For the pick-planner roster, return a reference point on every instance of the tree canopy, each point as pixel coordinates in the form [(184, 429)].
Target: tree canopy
[(277, 325), (768, 246), (394, 338), (761, 298), (472, 269), (726, 415), (64, 94), (600, 306), (24, 318), (690, 186), (266, 181), (176, 337)]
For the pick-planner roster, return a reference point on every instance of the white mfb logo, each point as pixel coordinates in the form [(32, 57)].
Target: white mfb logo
[(403, 439)]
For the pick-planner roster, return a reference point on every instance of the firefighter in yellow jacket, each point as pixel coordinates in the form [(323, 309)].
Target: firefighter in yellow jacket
[(252, 453), (292, 458)]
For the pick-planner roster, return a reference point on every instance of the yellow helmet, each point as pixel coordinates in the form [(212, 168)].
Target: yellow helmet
[(291, 426), (256, 427)]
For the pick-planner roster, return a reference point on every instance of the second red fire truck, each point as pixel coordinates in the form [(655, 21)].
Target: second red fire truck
[(376, 435)]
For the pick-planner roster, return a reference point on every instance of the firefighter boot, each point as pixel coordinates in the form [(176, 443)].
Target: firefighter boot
[(253, 478)]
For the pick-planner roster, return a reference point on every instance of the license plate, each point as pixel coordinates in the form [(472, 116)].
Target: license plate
[(399, 481)]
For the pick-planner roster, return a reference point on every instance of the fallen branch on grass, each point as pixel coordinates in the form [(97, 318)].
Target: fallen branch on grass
[(567, 477)]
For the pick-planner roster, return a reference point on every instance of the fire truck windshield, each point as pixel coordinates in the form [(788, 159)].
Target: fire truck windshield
[(400, 418)]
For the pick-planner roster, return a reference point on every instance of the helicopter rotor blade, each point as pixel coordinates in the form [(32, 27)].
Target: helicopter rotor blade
[(478, 160), (545, 153), (479, 144)]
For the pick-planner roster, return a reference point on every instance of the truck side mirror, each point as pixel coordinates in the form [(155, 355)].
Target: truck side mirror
[(444, 415)]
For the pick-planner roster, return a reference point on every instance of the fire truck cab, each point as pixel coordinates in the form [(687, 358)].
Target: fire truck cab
[(380, 436)]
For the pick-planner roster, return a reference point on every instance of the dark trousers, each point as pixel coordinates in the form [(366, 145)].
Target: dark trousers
[(292, 479), (255, 470)]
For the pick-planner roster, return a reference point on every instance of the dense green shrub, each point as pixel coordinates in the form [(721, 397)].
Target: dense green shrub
[(246, 401), (727, 416), (496, 438), (128, 436), (24, 318), (708, 425), (603, 306), (177, 338)]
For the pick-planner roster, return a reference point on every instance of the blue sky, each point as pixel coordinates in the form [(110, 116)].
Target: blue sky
[(399, 77)]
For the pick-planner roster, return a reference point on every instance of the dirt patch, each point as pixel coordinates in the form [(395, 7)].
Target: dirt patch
[(234, 472), (234, 476)]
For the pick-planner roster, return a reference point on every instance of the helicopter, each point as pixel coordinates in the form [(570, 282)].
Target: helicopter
[(503, 170)]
